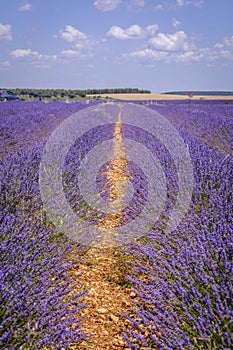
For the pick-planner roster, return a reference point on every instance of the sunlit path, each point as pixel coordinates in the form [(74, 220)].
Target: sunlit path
[(103, 267), (117, 180)]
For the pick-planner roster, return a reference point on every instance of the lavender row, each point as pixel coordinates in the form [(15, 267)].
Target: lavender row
[(41, 301), (24, 124), (183, 279), (209, 122)]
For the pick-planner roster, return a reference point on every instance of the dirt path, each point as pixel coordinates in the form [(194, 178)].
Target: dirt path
[(106, 299), (104, 267)]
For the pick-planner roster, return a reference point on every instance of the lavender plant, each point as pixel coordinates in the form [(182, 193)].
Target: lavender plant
[(25, 124), (183, 279), (40, 303), (40, 300), (210, 122)]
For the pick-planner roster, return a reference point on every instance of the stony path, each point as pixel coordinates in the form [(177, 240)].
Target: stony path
[(107, 297), (104, 267)]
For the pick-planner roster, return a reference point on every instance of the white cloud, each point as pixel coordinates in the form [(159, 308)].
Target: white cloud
[(183, 51), (225, 43), (178, 47), (169, 4), (175, 23), (152, 29), (199, 55), (39, 60), (148, 54), (35, 58), (226, 54), (74, 54), (159, 7), (69, 53), (19, 53), (171, 42), (72, 34), (132, 32), (26, 7), (110, 5), (82, 45), (107, 5), (5, 32), (197, 3), (188, 56), (224, 48)]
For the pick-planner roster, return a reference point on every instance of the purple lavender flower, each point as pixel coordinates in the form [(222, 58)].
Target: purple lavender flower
[(183, 279)]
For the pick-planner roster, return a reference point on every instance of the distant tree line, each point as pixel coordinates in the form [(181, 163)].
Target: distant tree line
[(72, 94), (116, 91)]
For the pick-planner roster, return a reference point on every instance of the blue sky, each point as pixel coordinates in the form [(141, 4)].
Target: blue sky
[(83, 44)]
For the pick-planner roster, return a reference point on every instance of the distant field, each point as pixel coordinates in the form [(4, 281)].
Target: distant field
[(139, 97)]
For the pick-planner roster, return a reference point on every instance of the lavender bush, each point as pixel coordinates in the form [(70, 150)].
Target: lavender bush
[(210, 122), (38, 308), (40, 300), (24, 124), (183, 280)]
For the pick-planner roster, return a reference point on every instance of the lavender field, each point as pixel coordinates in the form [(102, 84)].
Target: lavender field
[(182, 278)]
